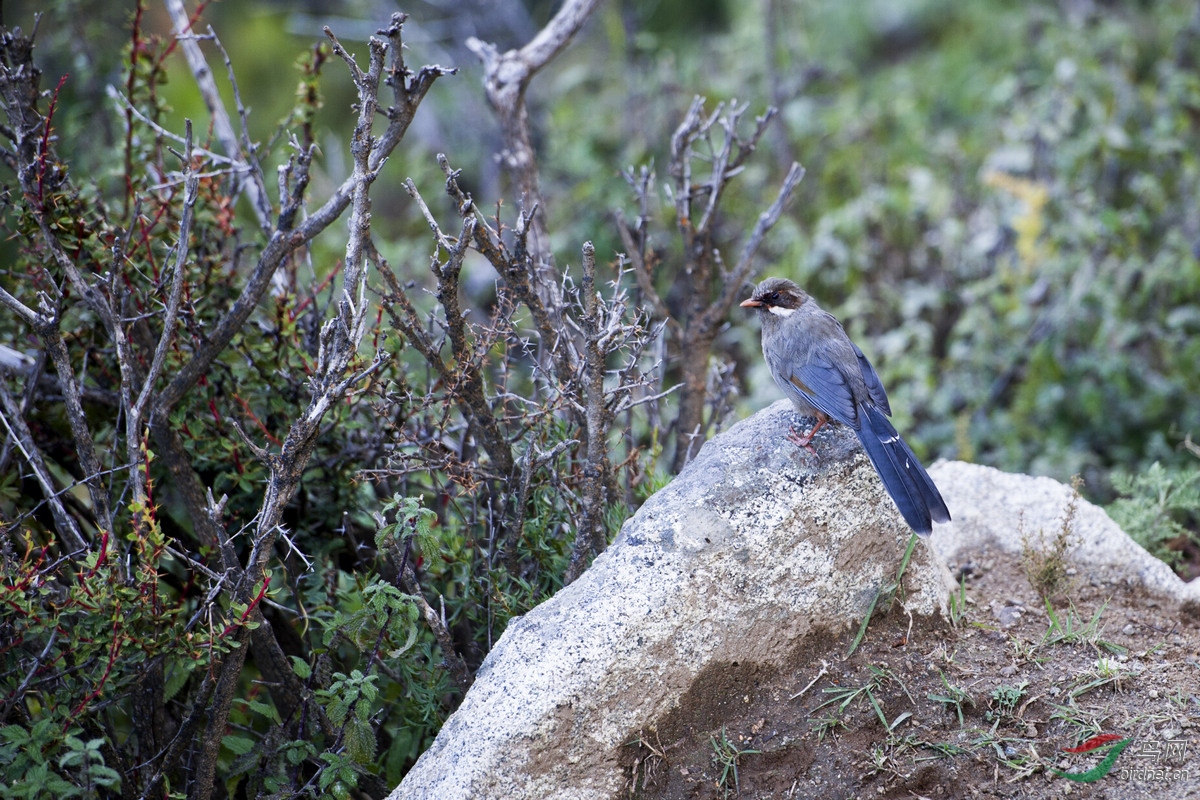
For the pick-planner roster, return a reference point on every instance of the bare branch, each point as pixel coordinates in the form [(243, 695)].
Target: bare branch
[(444, 242), (720, 172), (590, 536), (637, 256), (506, 77), (31, 317), (260, 453), (707, 289), (14, 423), (526, 283), (692, 126), (222, 126), (408, 91), (745, 263), (340, 338), (85, 446), (464, 381), (134, 412)]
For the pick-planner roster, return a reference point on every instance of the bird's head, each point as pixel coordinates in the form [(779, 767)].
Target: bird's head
[(776, 296)]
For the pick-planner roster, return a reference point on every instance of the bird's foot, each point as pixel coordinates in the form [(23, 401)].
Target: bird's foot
[(805, 441), (802, 441)]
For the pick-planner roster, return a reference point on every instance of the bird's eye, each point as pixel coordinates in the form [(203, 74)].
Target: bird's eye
[(772, 297)]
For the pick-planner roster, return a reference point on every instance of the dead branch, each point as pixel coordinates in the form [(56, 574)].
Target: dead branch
[(19, 432), (246, 172), (597, 470), (735, 280), (408, 92), (708, 289), (464, 380), (506, 78), (559, 354), (134, 411), (19, 95)]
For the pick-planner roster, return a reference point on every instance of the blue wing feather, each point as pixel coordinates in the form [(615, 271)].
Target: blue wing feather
[(828, 391), (871, 378)]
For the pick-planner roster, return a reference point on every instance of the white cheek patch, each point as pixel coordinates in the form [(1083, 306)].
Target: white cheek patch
[(781, 312)]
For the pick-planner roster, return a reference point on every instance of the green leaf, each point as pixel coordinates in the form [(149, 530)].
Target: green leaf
[(265, 709), (105, 776), (360, 740), (238, 745), (177, 678), (301, 668)]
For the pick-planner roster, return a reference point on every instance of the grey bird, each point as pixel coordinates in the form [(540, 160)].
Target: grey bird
[(826, 376)]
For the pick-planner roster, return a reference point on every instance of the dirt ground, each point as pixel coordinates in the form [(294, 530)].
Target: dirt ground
[(985, 706)]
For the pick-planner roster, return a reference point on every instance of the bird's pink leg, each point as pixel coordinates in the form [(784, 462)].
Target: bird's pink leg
[(805, 440)]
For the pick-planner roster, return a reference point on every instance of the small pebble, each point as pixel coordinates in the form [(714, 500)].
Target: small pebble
[(1008, 616)]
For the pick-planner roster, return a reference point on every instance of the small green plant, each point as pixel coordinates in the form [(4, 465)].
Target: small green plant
[(887, 757), (845, 696), (1047, 564), (1004, 701), (1084, 725), (1105, 671), (958, 602), (941, 750), (1023, 759), (1027, 652), (726, 754), (828, 724), (1069, 628), (954, 697)]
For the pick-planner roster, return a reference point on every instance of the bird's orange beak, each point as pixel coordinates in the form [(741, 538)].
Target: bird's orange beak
[(751, 303)]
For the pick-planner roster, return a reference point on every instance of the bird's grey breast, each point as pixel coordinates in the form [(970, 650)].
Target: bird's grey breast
[(788, 346)]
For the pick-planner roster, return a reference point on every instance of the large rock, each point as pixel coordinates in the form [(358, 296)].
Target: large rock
[(748, 553), (994, 509)]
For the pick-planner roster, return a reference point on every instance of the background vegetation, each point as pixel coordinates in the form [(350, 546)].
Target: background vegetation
[(1000, 203)]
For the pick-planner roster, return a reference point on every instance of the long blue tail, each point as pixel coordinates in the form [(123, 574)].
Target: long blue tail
[(908, 483)]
